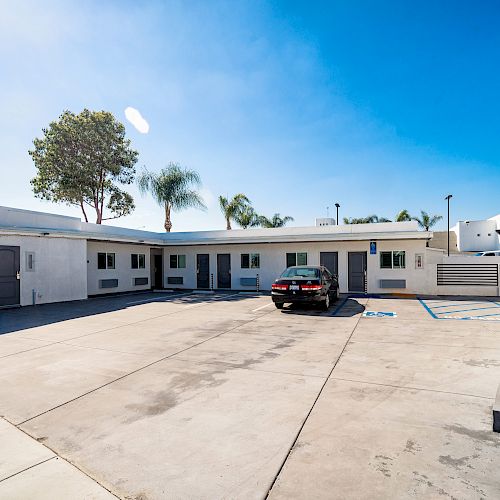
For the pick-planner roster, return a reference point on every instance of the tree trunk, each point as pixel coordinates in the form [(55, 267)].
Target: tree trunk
[(84, 213), (228, 225), (168, 222), (99, 215)]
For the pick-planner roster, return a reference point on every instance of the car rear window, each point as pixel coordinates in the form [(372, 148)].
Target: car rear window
[(301, 272)]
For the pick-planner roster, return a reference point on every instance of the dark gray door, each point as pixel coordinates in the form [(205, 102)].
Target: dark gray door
[(158, 271), (203, 270), (223, 270), (330, 260), (9, 276), (357, 271)]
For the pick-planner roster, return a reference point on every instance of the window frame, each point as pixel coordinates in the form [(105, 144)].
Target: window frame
[(401, 254), (255, 255), (296, 258), (106, 255), (140, 261), (245, 257), (176, 260)]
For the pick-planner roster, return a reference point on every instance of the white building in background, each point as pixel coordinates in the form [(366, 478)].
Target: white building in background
[(50, 258), (478, 235)]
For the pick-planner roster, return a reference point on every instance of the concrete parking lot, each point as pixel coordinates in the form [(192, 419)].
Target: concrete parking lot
[(198, 396)]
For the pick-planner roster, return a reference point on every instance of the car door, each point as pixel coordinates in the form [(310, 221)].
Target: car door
[(326, 278)]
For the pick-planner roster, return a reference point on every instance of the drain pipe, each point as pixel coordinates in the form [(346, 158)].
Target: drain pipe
[(33, 296)]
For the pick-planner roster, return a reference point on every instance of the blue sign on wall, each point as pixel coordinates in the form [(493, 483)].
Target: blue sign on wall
[(373, 248)]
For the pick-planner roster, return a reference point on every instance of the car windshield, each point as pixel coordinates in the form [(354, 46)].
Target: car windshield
[(301, 272)]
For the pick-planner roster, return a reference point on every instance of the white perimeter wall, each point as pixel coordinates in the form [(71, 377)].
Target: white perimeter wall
[(435, 257), (60, 271), (273, 262), (123, 270), (477, 236)]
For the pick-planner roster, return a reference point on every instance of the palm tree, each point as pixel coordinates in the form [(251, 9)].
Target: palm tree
[(247, 217), (275, 221), (403, 216), (426, 221), (231, 208), (370, 219), (171, 188)]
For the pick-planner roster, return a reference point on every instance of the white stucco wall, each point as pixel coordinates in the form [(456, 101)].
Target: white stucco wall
[(60, 271), (489, 291), (477, 235), (273, 262), (123, 271)]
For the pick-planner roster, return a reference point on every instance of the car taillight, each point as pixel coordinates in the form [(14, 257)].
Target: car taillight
[(312, 287), (278, 286)]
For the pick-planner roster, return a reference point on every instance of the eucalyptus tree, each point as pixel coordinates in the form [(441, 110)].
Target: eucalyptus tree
[(83, 160), (426, 221), (173, 188), (275, 221), (231, 208)]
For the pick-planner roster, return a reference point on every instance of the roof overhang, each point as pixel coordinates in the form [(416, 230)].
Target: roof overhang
[(229, 240)]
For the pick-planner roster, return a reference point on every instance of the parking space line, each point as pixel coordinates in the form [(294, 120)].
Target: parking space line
[(428, 309), (197, 304), (147, 365), (158, 299), (453, 314), (479, 316), (458, 305), (262, 307), (467, 310)]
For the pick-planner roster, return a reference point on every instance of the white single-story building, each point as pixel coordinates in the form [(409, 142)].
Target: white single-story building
[(478, 235), (51, 258)]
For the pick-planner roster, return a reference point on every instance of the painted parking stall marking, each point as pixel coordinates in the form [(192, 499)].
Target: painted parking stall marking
[(379, 314), (483, 310)]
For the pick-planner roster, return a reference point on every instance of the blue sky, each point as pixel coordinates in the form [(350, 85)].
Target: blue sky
[(379, 106)]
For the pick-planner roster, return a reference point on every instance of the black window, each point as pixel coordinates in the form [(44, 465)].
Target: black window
[(177, 261), (105, 260), (386, 260), (101, 261), (296, 259), (392, 260), (138, 261), (245, 261)]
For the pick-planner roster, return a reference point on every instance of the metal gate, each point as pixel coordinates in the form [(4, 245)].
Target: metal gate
[(467, 274)]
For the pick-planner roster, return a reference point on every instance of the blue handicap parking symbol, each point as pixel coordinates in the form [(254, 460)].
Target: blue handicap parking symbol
[(377, 314)]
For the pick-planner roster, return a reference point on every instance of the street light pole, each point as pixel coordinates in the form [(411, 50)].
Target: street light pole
[(448, 199), (337, 205)]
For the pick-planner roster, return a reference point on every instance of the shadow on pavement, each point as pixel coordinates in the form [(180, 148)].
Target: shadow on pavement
[(21, 318)]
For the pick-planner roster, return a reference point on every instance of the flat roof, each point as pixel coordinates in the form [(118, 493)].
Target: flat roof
[(27, 222)]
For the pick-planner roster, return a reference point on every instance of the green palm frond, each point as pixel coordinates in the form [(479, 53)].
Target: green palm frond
[(171, 187)]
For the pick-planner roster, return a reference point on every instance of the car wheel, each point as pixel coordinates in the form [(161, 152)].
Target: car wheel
[(279, 305), (336, 295), (326, 303)]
